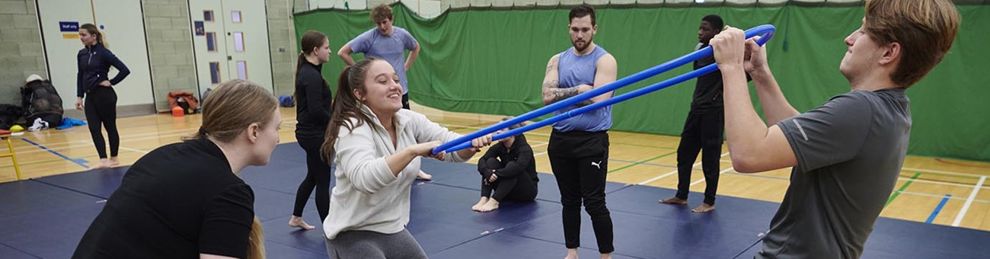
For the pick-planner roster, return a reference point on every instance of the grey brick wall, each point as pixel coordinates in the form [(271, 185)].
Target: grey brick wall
[(21, 51), (282, 41), (170, 48)]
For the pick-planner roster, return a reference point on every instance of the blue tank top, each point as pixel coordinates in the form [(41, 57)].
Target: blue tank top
[(572, 71)]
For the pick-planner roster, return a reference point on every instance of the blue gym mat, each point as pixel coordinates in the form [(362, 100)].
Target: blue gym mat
[(46, 217)]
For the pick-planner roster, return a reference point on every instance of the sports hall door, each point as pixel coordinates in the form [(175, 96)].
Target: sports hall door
[(230, 39)]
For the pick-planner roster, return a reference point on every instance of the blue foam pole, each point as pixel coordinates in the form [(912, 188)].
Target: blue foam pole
[(765, 31)]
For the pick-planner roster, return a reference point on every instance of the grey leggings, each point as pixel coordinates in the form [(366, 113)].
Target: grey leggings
[(367, 244)]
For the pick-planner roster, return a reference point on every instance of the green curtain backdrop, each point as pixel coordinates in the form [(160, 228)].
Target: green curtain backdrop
[(492, 61)]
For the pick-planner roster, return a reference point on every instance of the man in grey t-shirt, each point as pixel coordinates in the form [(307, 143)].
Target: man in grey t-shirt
[(387, 42), (390, 43), (846, 154)]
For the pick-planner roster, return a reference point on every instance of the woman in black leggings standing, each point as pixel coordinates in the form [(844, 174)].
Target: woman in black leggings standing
[(312, 114), (93, 83)]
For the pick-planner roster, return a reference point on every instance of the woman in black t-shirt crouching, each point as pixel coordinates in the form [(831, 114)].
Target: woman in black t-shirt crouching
[(185, 200)]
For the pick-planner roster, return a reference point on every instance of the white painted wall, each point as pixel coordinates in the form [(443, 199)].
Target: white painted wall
[(121, 21)]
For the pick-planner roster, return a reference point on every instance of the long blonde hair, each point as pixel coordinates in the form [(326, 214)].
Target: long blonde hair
[(256, 241), (227, 112), (234, 105)]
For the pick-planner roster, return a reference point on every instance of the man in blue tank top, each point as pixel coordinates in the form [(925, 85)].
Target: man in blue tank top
[(578, 146)]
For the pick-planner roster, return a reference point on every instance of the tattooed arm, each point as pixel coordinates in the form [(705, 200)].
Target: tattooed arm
[(551, 85)]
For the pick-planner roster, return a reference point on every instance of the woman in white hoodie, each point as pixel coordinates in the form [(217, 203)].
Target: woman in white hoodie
[(376, 145)]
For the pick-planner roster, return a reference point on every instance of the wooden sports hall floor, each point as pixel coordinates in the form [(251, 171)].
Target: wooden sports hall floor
[(931, 190)]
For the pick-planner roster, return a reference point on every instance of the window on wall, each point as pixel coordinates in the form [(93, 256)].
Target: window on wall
[(242, 70), (208, 15), (211, 41), (215, 72), (238, 41), (235, 16)]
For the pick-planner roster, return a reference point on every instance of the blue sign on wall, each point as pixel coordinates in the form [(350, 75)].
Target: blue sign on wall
[(64, 26)]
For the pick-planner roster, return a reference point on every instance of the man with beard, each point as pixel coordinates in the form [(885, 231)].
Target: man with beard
[(703, 127), (578, 148)]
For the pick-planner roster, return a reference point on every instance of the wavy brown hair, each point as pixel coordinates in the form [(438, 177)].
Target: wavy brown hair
[(346, 106), (925, 29), (380, 13)]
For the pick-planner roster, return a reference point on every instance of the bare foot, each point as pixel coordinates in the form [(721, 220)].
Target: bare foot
[(477, 206), (104, 163), (114, 162), (424, 176), (491, 205), (703, 208), (298, 222), (571, 253), (674, 201)]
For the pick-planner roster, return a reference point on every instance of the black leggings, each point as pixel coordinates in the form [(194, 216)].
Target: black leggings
[(579, 160), (317, 175), (518, 188), (101, 109), (702, 132)]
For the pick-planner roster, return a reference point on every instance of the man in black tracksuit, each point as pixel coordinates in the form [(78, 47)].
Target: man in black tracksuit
[(703, 128)]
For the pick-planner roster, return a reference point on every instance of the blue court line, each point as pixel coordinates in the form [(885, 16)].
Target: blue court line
[(79, 162), (938, 209), (19, 250)]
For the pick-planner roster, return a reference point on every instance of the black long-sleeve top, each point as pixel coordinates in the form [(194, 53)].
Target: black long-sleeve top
[(94, 64), (313, 101), (708, 89), (516, 160)]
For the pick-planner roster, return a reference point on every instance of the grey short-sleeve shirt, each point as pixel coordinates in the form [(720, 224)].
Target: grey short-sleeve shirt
[(849, 154), (391, 48)]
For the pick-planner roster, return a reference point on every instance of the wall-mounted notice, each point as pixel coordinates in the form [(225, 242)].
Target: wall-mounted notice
[(198, 28), (69, 29)]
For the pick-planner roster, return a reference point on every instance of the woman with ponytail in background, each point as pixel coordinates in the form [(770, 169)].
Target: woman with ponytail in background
[(312, 113), (93, 83), (186, 200)]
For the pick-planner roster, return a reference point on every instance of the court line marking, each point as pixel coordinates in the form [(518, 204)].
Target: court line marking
[(969, 201)]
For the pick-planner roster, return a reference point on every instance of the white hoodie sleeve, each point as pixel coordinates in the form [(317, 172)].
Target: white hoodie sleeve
[(355, 154), (427, 131)]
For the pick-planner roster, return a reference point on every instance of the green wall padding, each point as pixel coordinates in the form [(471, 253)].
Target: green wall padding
[(492, 61)]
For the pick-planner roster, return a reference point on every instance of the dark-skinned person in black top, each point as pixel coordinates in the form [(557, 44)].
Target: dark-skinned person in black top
[(703, 127), (185, 200), (312, 113), (94, 91), (508, 170)]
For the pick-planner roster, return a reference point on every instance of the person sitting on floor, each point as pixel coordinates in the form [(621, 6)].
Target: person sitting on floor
[(41, 100), (509, 170)]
